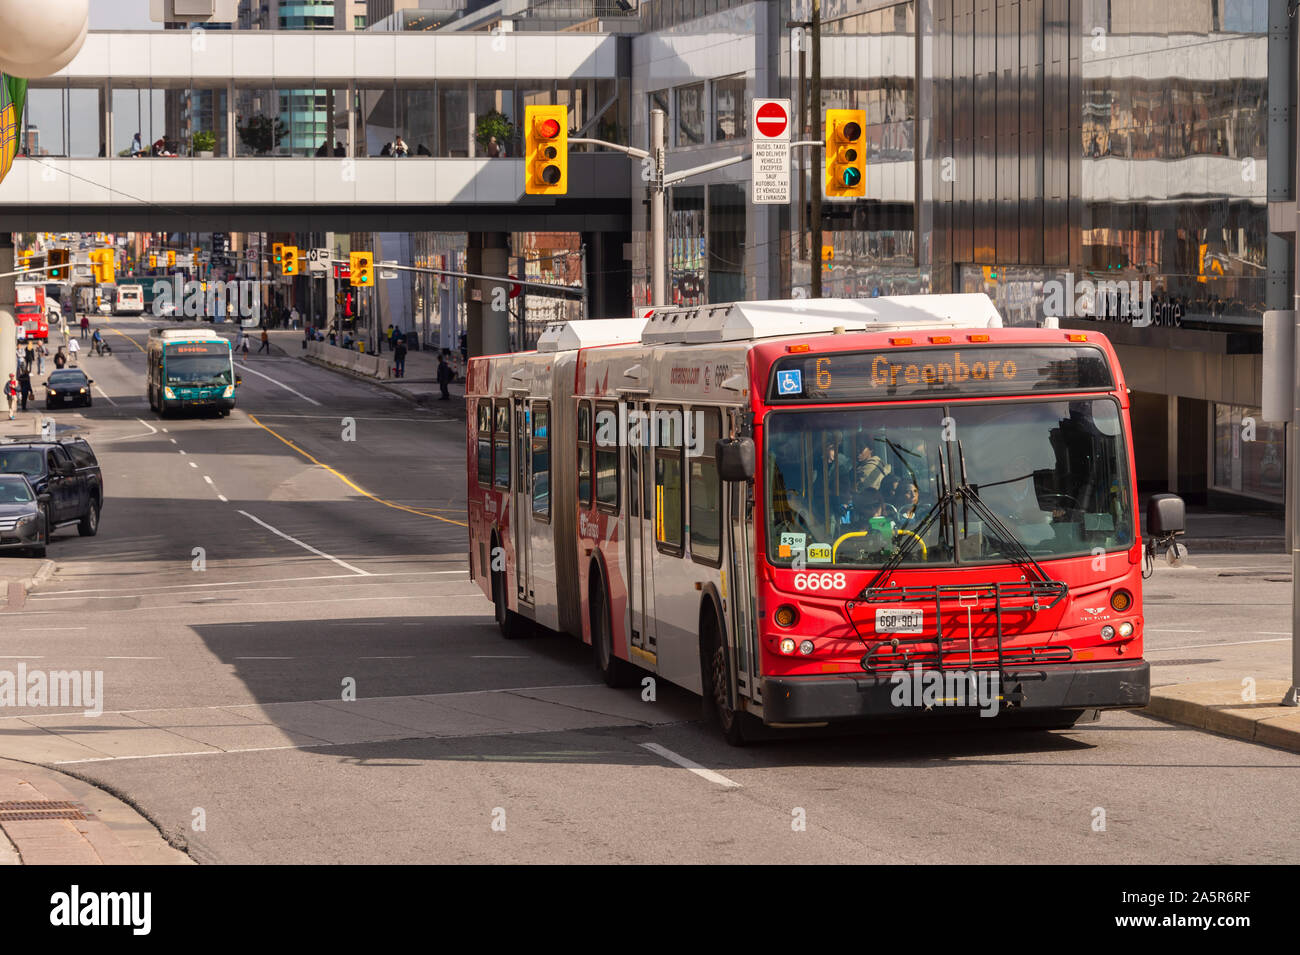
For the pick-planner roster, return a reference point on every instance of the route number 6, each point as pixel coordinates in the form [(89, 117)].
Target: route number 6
[(819, 582)]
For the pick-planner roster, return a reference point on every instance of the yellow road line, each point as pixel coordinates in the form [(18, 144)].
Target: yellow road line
[(126, 336), (349, 482)]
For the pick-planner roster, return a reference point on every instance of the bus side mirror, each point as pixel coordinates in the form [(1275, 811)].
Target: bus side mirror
[(735, 459), (1166, 515)]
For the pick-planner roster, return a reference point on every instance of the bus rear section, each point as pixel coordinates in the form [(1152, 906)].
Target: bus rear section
[(190, 370), (130, 300)]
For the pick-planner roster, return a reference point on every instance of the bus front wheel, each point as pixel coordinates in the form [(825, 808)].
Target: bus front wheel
[(716, 683)]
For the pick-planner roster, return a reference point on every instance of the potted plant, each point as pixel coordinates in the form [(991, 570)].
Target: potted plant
[(493, 125), (203, 144)]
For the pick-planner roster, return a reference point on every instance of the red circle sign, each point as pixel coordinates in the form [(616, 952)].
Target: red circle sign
[(771, 120), (515, 289)]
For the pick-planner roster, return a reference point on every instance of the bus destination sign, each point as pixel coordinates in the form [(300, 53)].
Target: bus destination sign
[(200, 348), (956, 372)]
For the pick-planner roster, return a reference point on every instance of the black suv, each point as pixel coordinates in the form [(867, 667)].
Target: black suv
[(65, 470)]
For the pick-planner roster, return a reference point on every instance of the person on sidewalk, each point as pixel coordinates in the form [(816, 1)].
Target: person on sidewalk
[(11, 394), (266, 343), (445, 376), (244, 348), (399, 358), (73, 350), (85, 326), (25, 385)]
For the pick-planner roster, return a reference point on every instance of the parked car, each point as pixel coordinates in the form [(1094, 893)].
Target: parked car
[(68, 386), (67, 472), (23, 524)]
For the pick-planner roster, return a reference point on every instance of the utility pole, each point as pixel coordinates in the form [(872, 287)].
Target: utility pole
[(815, 107), (658, 210), (803, 134)]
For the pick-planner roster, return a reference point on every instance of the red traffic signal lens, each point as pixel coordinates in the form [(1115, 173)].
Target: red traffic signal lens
[(548, 128), (851, 131)]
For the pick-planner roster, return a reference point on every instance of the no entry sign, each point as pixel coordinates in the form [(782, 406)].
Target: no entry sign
[(770, 151)]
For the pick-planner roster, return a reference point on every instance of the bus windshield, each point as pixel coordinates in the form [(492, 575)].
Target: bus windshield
[(198, 369), (847, 488)]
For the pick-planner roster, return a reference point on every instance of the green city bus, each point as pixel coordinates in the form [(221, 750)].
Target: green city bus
[(190, 369)]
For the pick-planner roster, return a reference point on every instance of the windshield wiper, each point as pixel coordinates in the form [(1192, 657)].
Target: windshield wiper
[(1015, 548), (946, 496)]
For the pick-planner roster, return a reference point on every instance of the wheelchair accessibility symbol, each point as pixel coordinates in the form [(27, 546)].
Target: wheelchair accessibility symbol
[(789, 382)]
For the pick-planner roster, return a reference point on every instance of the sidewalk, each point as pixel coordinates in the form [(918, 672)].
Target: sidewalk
[(1220, 532), (419, 384), (49, 818)]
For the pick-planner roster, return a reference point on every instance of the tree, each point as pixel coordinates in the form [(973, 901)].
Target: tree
[(494, 123), (262, 134)]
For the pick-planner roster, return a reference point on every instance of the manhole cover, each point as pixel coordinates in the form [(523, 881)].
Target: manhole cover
[(33, 810)]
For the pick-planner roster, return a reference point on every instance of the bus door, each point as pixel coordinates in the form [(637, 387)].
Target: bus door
[(739, 567), (639, 494), (522, 509)]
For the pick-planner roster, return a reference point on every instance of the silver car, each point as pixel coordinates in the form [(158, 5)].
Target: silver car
[(23, 516)]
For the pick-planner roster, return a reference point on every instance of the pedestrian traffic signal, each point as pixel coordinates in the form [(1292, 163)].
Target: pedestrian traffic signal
[(103, 265), (289, 260), (58, 259), (171, 258), (846, 153), (546, 148), (363, 268)]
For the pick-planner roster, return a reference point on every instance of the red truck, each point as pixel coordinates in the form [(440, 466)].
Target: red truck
[(30, 312)]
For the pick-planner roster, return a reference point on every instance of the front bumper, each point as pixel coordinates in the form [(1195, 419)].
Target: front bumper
[(1053, 686), (198, 404), (16, 540)]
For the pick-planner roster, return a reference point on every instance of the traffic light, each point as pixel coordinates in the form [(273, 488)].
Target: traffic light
[(103, 265), (363, 268), (289, 260), (546, 147), (277, 253), (171, 258), (59, 259), (153, 261), (846, 153)]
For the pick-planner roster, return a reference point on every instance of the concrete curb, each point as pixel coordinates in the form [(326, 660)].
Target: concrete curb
[(1217, 706), (386, 384), (113, 832), (1234, 545)]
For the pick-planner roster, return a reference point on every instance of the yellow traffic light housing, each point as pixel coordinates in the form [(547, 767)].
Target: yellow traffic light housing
[(104, 266), (277, 253), (846, 153), (546, 147), (58, 259), (362, 266), (171, 258), (289, 260), (153, 261)]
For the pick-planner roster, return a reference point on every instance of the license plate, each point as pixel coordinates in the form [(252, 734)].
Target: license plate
[(898, 621)]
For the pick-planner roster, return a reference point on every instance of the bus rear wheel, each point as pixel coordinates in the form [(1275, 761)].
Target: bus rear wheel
[(615, 671), (509, 622)]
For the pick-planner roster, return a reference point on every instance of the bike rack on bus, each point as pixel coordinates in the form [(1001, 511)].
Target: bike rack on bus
[(1039, 594)]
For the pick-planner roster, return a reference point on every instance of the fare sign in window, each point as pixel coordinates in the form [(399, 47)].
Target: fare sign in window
[(939, 373)]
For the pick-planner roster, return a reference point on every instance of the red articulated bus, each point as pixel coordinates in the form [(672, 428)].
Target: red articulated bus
[(821, 511)]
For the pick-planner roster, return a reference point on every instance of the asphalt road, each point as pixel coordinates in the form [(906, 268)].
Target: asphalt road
[(249, 570)]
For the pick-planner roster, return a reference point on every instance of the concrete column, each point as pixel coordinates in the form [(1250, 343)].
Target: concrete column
[(488, 328), (1171, 477), (8, 332)]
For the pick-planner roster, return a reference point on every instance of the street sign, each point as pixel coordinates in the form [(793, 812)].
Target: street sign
[(514, 288), (387, 273), (770, 149), (318, 261)]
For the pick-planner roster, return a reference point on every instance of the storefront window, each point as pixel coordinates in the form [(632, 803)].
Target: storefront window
[(729, 109), (1249, 453)]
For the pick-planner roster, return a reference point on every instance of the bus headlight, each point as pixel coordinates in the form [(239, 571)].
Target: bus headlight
[(1126, 629), (167, 392), (806, 647), (1108, 632), (787, 645), (229, 392)]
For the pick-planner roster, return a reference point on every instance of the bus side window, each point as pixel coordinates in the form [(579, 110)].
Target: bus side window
[(706, 490), (542, 460), (584, 453), (485, 442), (501, 447), (668, 480), (607, 458)]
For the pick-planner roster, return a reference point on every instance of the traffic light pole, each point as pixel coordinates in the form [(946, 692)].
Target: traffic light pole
[(815, 102)]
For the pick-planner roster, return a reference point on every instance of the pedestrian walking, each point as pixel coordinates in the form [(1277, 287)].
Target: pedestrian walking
[(244, 349), (11, 394), (41, 354), (97, 343), (73, 350), (60, 358), (445, 376), (399, 358), (85, 326), (266, 343), (25, 385)]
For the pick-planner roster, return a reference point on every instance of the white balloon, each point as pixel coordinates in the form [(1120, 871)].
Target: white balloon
[(36, 69), (36, 32)]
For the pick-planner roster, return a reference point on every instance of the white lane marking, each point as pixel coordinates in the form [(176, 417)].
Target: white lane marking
[(23, 658), (106, 397), (182, 450), (694, 767), (223, 499), (386, 658), (44, 629), (1272, 633), (262, 603), (164, 430), (319, 553), (208, 479), (502, 657), (193, 465), (154, 591), (132, 658), (172, 440), (152, 429), (1202, 646), (281, 384)]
